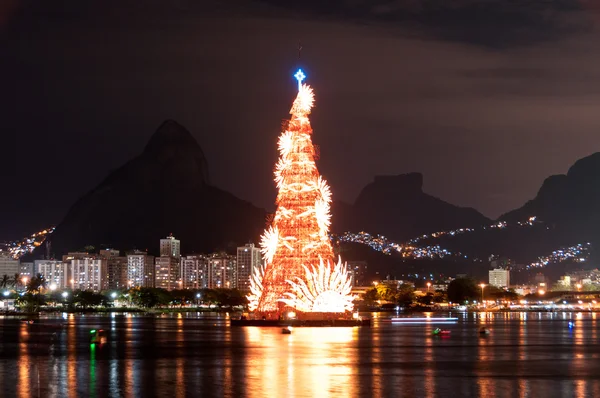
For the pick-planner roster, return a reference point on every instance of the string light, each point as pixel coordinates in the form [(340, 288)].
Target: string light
[(299, 273)]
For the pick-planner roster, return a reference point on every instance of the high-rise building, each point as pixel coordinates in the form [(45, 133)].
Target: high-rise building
[(248, 258), (116, 273), (27, 270), (140, 269), (499, 277), (170, 247), (116, 269), (109, 253), (167, 265), (358, 272), (8, 265), (194, 271), (88, 273), (221, 271), (55, 272), (167, 273), (74, 255), (497, 262)]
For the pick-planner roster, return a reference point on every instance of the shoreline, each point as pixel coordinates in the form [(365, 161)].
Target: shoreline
[(161, 311)]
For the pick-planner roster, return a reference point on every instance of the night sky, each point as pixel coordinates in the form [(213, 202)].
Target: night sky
[(486, 99)]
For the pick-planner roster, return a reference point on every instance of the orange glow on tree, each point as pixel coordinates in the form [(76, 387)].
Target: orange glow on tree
[(297, 243)]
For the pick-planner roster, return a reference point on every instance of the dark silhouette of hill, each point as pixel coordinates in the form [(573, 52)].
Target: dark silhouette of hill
[(569, 203), (397, 207), (567, 211), (164, 190)]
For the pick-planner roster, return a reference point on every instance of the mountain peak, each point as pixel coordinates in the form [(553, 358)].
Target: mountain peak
[(396, 206), (164, 189), (170, 133), (173, 142), (411, 182)]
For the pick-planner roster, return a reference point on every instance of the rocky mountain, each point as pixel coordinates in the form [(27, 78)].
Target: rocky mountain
[(166, 189), (570, 203), (397, 207), (567, 213)]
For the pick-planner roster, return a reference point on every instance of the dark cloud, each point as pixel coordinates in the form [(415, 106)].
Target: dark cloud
[(84, 84), (493, 23)]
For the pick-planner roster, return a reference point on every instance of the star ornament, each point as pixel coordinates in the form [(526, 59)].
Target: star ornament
[(300, 76)]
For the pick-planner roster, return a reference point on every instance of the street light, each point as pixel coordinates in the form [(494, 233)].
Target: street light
[(578, 286), (428, 284), (113, 295), (65, 294), (53, 286), (198, 295), (482, 286)]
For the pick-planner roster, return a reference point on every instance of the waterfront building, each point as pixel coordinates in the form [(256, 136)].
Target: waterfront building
[(358, 272), (193, 271), (116, 269), (564, 282), (8, 265), (248, 259), (88, 273), (221, 271), (55, 272), (27, 270), (442, 287), (109, 253), (170, 247), (140, 269), (116, 272), (167, 266), (74, 255), (167, 273), (499, 277)]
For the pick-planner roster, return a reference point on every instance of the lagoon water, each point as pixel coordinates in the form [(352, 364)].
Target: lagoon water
[(193, 355)]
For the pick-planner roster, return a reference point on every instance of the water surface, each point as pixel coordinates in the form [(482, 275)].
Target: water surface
[(527, 354)]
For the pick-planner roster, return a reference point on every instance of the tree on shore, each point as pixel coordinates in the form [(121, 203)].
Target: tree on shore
[(16, 281), (462, 289), (4, 281)]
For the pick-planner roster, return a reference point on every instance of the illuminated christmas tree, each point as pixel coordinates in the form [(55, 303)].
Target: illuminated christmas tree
[(299, 271)]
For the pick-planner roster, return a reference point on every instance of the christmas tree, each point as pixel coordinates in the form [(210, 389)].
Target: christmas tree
[(299, 272)]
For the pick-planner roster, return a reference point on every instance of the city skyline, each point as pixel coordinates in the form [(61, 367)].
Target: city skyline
[(423, 221)]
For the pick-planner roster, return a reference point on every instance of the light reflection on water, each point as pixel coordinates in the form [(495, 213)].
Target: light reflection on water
[(534, 354)]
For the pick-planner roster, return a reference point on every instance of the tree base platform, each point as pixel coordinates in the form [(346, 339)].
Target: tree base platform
[(301, 322)]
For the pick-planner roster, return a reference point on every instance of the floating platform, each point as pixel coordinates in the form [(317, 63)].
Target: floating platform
[(301, 322)]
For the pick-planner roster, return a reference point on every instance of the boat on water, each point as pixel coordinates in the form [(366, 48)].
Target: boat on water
[(98, 336), (441, 332), (422, 320)]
